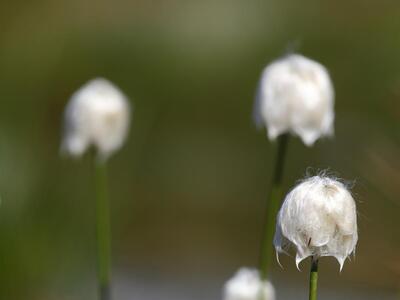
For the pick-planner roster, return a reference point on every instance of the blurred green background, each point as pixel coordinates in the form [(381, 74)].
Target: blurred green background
[(189, 187)]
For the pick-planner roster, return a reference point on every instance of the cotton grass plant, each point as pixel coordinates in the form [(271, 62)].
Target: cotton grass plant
[(317, 218), (295, 97), (246, 284), (98, 117)]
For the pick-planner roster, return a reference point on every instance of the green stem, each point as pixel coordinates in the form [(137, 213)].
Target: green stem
[(273, 203), (103, 231), (313, 278)]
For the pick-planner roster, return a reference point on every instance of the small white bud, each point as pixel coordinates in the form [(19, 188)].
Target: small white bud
[(247, 285), (98, 115), (295, 95), (318, 217)]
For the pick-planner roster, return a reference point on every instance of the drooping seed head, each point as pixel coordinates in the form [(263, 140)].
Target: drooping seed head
[(98, 115), (295, 95), (318, 218), (247, 285)]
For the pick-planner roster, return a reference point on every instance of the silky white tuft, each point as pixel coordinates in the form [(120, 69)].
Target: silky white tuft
[(318, 217), (98, 115), (247, 285), (295, 95)]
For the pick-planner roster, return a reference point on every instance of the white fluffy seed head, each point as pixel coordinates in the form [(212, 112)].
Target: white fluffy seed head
[(98, 115), (318, 217), (247, 285), (295, 95)]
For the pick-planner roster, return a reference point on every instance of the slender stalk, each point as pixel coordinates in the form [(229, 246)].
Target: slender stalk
[(313, 278), (273, 202), (103, 231)]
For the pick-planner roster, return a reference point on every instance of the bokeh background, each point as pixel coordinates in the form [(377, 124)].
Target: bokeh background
[(189, 187)]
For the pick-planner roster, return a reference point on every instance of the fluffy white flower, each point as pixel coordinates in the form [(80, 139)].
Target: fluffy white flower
[(295, 95), (98, 115), (318, 217), (247, 285)]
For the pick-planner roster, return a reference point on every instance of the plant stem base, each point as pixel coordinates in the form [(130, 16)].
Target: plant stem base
[(105, 293), (103, 231), (313, 278), (273, 203)]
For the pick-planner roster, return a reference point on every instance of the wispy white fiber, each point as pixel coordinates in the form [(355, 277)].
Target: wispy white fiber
[(247, 285), (98, 115), (318, 218), (295, 95)]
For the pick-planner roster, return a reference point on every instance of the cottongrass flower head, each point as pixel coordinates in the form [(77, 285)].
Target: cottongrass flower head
[(318, 217), (247, 285), (98, 115), (295, 95)]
